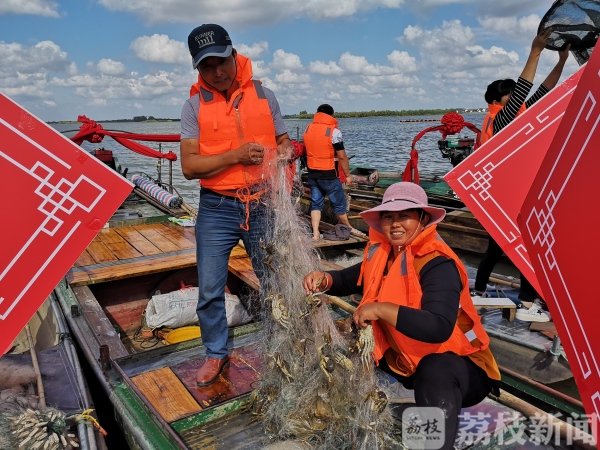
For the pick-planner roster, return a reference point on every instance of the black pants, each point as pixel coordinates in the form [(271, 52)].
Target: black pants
[(490, 258), (449, 382)]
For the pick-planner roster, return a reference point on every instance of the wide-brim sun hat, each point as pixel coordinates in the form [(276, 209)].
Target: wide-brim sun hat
[(400, 197)]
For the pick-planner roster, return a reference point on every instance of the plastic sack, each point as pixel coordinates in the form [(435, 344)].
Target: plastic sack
[(178, 309), (184, 221), (175, 309)]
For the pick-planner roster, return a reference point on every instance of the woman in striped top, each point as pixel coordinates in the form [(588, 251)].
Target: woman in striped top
[(506, 100)]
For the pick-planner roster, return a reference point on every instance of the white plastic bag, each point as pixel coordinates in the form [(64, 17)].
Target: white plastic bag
[(175, 309), (236, 313), (178, 309)]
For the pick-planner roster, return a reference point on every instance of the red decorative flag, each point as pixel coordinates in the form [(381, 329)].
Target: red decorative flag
[(57, 197), (495, 179), (557, 221)]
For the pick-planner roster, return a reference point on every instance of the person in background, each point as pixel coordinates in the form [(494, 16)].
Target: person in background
[(416, 296), (507, 100), (323, 142), (228, 164)]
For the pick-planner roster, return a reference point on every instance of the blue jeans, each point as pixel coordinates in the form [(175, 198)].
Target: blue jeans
[(333, 189), (217, 233)]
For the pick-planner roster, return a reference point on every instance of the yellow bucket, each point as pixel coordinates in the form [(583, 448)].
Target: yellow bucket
[(182, 334)]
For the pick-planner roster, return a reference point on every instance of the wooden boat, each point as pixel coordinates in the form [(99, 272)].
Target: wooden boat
[(153, 390), (41, 374), (460, 229), (150, 385)]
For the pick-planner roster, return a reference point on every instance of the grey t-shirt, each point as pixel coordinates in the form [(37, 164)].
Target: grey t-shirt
[(189, 116)]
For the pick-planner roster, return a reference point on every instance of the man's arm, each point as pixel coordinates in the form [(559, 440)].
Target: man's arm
[(344, 163)]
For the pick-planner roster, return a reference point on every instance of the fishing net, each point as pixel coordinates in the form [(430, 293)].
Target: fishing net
[(318, 386), (575, 22), (24, 427)]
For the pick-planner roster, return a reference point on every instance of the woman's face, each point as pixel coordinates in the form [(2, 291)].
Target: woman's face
[(401, 227), (504, 100)]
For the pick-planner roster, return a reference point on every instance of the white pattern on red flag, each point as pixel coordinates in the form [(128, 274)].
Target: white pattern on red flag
[(65, 196)]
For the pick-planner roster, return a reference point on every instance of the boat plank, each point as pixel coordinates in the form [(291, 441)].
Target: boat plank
[(85, 259), (105, 333), (178, 234), (188, 232), (100, 252), (165, 392), (154, 235), (237, 431), (137, 240), (242, 268), (143, 265), (238, 252), (117, 245), (220, 391)]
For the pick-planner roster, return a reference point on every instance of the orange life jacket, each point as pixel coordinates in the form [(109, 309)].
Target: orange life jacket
[(320, 154), (487, 129), (402, 287), (226, 125)]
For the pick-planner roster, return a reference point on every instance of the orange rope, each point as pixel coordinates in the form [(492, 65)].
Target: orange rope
[(246, 197)]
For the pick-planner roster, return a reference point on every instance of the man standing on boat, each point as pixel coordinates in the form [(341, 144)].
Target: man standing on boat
[(323, 142), (227, 124)]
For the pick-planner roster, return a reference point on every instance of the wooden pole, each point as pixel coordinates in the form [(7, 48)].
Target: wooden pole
[(505, 281), (36, 368), (566, 430), (341, 304)]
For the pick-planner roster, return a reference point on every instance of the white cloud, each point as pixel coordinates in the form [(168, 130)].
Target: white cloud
[(162, 49), (283, 60), (402, 61), (253, 51), (325, 68), (109, 67), (519, 29), (46, 8), (259, 69), (241, 12)]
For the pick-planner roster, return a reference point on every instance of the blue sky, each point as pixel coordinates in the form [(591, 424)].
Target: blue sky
[(111, 59)]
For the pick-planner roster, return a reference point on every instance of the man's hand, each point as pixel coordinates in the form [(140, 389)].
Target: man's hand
[(251, 154), (349, 179), (285, 151)]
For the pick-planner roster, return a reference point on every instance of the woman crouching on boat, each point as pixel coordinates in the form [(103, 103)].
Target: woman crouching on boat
[(416, 296)]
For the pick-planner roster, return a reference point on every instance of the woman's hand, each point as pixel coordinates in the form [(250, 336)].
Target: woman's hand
[(385, 311), (315, 281), (365, 314), (540, 41), (564, 54)]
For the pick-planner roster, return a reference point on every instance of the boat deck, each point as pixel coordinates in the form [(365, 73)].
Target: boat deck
[(145, 248), (129, 251), (216, 416)]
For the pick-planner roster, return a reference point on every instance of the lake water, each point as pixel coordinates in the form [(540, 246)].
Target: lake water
[(381, 142)]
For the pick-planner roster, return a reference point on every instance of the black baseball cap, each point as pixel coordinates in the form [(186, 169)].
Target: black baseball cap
[(208, 40)]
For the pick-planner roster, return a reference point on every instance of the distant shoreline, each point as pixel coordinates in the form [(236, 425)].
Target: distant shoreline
[(70, 122), (305, 115)]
